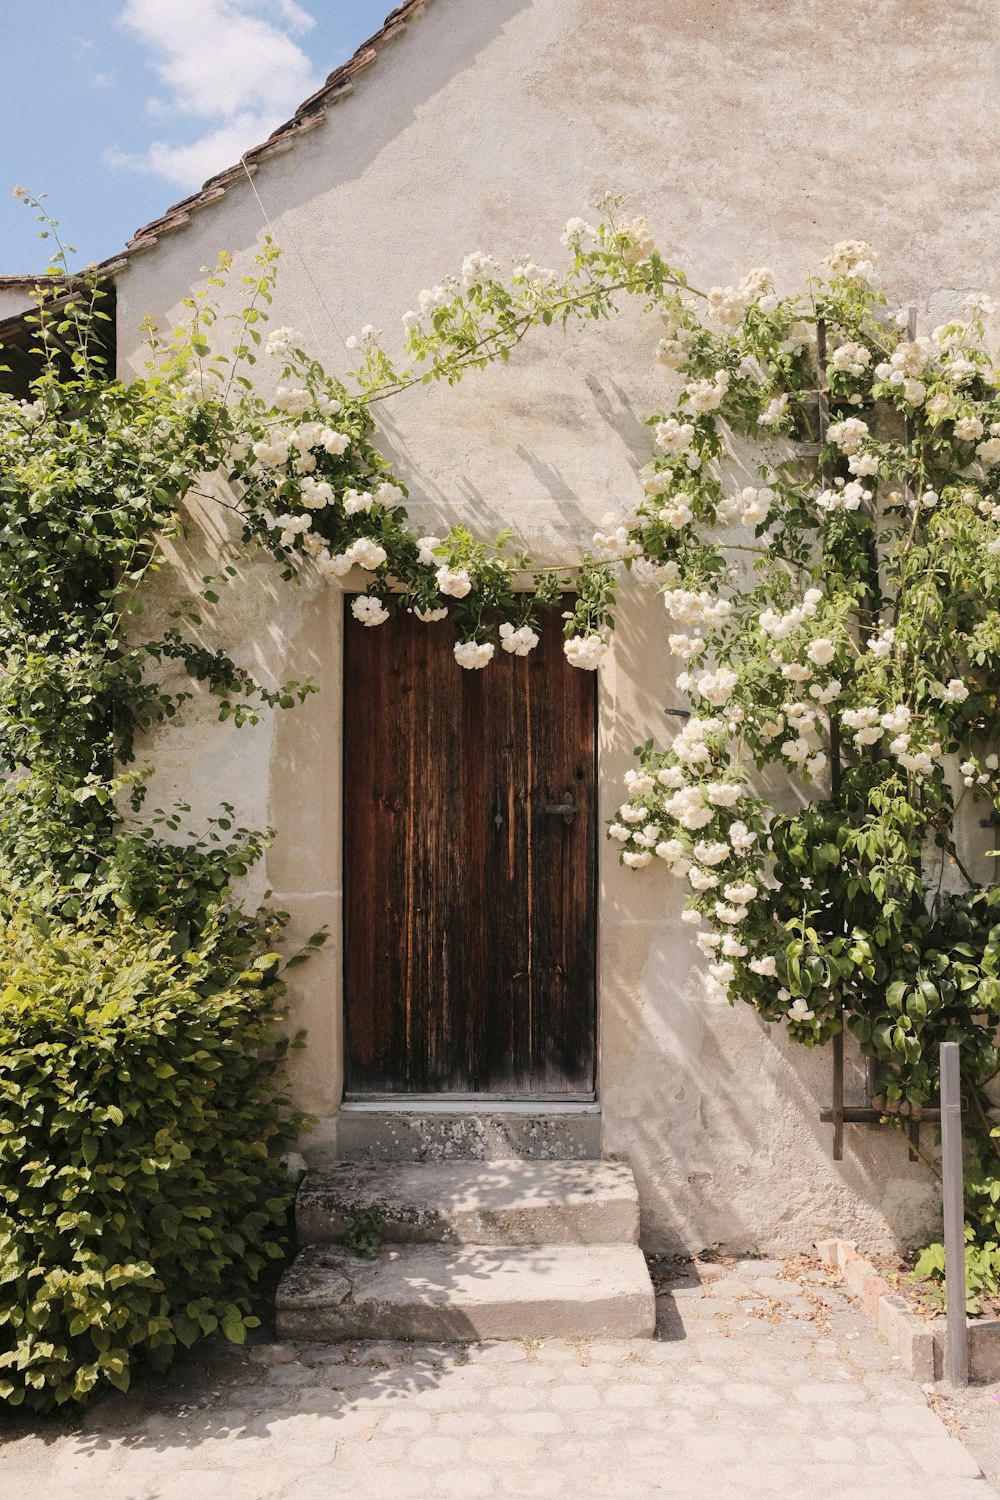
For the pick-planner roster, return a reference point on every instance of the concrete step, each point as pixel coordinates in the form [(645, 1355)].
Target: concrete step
[(438, 1293), (432, 1131), (496, 1203)]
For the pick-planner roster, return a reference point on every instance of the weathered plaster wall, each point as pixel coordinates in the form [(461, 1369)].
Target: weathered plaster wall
[(749, 134), (13, 302)]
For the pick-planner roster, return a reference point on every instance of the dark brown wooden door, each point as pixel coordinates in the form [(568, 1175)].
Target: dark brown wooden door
[(469, 920)]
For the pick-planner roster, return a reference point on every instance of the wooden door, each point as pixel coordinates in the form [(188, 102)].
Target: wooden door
[(469, 917)]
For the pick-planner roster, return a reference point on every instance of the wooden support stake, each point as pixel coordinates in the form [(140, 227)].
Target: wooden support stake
[(837, 1113), (913, 1131), (863, 1114), (908, 490), (954, 1215), (822, 395)]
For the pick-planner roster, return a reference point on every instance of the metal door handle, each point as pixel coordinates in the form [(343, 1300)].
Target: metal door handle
[(566, 809)]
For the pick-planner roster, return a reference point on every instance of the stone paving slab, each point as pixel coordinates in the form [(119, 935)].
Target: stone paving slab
[(740, 1395), (474, 1203), (468, 1292)]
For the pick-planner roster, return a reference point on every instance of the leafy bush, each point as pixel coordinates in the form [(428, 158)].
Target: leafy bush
[(982, 1273), (142, 1123)]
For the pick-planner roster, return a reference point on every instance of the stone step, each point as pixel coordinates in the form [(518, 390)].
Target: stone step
[(438, 1293), (431, 1131), (497, 1203)]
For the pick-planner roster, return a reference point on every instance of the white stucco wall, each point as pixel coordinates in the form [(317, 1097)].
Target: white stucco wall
[(13, 302), (751, 134)]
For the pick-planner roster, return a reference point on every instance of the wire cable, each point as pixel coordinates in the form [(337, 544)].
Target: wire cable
[(286, 235)]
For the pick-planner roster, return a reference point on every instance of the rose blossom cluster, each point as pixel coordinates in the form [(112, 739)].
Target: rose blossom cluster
[(321, 494), (763, 678), (690, 809), (768, 661), (983, 773)]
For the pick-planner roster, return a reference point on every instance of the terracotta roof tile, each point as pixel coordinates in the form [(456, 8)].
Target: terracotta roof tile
[(29, 280), (310, 113)]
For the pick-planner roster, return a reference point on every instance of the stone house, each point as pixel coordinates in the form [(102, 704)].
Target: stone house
[(749, 134)]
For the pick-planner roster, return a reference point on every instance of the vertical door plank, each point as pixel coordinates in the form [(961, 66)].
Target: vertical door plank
[(376, 751), (563, 875), (469, 945)]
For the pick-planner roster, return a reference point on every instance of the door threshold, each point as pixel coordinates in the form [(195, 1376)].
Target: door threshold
[(464, 1105)]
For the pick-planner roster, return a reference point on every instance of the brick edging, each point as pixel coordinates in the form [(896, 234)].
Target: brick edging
[(920, 1346)]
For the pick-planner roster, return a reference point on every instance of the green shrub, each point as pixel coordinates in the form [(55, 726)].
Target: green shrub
[(142, 1122), (982, 1273)]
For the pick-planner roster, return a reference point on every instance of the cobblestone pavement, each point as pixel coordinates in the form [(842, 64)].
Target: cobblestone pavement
[(973, 1415), (757, 1385)]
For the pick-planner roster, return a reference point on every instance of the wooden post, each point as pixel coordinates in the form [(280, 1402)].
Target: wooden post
[(838, 1092), (954, 1214), (822, 394), (913, 1134), (908, 490)]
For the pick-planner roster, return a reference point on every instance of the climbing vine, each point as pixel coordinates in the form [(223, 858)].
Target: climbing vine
[(834, 620)]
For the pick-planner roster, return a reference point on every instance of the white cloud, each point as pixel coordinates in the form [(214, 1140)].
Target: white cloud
[(234, 63), (297, 19), (188, 166)]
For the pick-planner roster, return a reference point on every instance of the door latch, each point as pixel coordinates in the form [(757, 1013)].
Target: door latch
[(566, 809)]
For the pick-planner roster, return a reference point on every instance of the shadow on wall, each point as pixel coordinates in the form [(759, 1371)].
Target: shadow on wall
[(717, 1111), (553, 508), (616, 408), (350, 141)]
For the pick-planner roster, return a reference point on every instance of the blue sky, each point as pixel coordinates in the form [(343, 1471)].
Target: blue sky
[(117, 108)]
